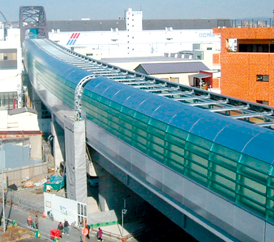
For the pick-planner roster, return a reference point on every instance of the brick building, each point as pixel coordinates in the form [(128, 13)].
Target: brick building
[(247, 63)]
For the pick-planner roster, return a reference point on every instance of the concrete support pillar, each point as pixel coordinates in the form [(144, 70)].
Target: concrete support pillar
[(76, 168), (114, 195), (58, 143)]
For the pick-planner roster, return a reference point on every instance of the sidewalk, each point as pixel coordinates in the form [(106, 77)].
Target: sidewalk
[(20, 213), (45, 225)]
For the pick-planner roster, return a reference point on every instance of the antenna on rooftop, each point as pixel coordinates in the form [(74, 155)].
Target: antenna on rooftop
[(272, 20)]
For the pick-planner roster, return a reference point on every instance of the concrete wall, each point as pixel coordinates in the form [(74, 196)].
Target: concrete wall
[(16, 176), (36, 147)]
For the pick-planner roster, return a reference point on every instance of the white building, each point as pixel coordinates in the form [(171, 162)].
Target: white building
[(19, 119), (10, 68), (133, 40)]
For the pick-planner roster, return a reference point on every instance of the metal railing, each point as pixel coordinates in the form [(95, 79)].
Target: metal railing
[(252, 23)]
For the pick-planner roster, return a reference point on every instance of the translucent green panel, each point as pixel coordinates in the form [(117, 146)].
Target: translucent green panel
[(93, 109), (156, 140), (105, 101), (128, 111), (195, 176), (125, 132), (139, 146), (155, 147), (126, 118), (114, 112), (143, 118), (177, 132), (197, 150), (177, 158), (254, 196), (221, 150), (255, 175), (115, 105), (175, 149), (252, 205), (114, 119), (256, 164), (114, 125), (270, 215), (156, 155), (156, 132), (223, 181), (126, 125), (160, 125), (225, 172), (175, 140), (140, 140), (140, 124), (223, 190), (140, 132), (253, 185), (197, 168), (103, 113), (199, 141), (225, 162), (125, 138), (114, 130), (176, 165), (193, 157), (271, 182), (95, 96)]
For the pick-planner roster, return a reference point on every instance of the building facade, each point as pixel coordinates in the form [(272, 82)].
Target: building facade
[(10, 69), (247, 60), (132, 36)]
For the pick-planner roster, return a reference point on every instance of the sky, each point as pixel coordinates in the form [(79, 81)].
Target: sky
[(152, 9)]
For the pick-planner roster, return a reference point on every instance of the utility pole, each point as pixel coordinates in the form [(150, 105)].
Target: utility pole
[(2, 161)]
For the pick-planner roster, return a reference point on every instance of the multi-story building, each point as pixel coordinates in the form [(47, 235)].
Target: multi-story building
[(10, 68), (247, 60), (133, 36)]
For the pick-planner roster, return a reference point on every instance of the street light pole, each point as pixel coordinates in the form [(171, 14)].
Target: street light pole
[(124, 211)]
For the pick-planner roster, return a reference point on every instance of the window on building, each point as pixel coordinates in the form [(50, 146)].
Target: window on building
[(262, 78), (262, 102), (174, 79), (209, 48), (256, 48), (7, 99), (8, 59)]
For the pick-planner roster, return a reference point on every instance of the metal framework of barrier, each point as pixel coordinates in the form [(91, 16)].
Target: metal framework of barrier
[(237, 109)]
